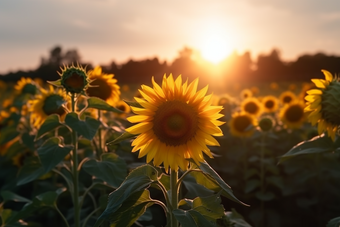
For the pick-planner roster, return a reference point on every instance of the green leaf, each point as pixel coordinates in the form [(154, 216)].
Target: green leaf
[(165, 180), (210, 207), (99, 104), (211, 180), (192, 218), (52, 122), (111, 169), (318, 144), (51, 153), (87, 128), (134, 104), (334, 222), (131, 209), (7, 134), (46, 199), (235, 219), (138, 179), (265, 196), (31, 170), (251, 185), (121, 138), (56, 83), (28, 141), (10, 196), (194, 189)]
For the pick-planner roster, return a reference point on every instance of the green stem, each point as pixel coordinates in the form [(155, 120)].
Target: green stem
[(62, 216), (100, 147), (262, 175), (174, 196), (75, 172)]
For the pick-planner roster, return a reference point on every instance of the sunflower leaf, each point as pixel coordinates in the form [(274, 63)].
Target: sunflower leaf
[(100, 104), (211, 180), (7, 134), (52, 152), (235, 219), (334, 222), (138, 180), (51, 122), (111, 169), (87, 128), (318, 144), (134, 104), (121, 138), (10, 196), (192, 218), (31, 170), (210, 207), (132, 208)]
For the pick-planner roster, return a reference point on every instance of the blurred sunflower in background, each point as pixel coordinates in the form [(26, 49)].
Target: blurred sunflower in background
[(103, 86), (176, 123), (47, 103), (305, 87), (246, 93), (323, 104), (124, 107), (292, 114), (270, 104), (287, 97), (252, 106), (26, 86), (242, 124), (274, 86)]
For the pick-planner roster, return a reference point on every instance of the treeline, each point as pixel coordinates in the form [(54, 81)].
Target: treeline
[(235, 68)]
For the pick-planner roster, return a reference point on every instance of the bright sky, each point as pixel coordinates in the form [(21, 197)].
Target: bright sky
[(106, 30)]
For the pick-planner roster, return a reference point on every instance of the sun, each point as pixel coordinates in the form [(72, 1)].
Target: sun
[(215, 48)]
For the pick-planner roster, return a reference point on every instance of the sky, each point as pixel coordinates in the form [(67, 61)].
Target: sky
[(118, 30)]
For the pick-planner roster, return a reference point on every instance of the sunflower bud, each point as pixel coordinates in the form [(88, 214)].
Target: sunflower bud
[(74, 79), (331, 103)]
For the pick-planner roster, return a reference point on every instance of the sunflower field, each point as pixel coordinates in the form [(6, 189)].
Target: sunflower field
[(85, 150)]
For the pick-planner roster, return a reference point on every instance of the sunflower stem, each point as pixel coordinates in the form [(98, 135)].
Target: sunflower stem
[(75, 172), (100, 147), (262, 176), (174, 196)]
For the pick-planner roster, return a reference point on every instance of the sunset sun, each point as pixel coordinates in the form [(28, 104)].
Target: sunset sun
[(215, 48)]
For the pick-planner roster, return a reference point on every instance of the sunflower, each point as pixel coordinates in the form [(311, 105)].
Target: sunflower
[(252, 106), (26, 86), (73, 79), (305, 87), (246, 93), (286, 97), (242, 124), (323, 104), (103, 86), (292, 114), (274, 86), (176, 123), (270, 103), (49, 102), (125, 108)]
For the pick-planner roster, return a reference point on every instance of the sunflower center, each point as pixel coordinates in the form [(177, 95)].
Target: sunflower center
[(294, 113), (175, 123), (269, 104), (53, 105), (251, 107), (287, 99), (330, 104), (241, 123), (100, 90), (29, 89)]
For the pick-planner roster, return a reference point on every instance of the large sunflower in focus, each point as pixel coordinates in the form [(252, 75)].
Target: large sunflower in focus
[(252, 106), (176, 123), (242, 124), (47, 103), (323, 104), (292, 114), (103, 86)]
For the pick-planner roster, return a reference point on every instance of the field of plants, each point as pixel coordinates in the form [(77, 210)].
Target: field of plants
[(86, 150)]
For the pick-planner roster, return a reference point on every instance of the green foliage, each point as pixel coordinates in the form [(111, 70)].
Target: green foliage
[(111, 169), (99, 104), (87, 128), (51, 123)]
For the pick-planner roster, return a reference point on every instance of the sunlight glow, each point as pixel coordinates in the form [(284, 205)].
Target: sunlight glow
[(215, 48)]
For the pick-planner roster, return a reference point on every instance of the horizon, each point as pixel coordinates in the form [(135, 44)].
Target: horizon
[(111, 30)]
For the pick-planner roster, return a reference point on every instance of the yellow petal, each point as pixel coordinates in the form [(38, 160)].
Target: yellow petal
[(328, 75), (140, 128)]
